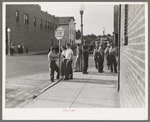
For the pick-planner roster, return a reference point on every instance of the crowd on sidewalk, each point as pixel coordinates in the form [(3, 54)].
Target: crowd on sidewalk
[(66, 54)]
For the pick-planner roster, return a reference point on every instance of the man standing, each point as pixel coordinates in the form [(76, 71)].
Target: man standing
[(95, 55), (85, 57), (112, 57), (77, 61), (101, 58), (52, 63), (107, 55), (69, 60)]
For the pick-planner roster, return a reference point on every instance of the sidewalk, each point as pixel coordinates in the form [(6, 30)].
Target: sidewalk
[(94, 90)]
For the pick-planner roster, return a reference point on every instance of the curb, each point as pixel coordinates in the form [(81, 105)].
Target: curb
[(38, 94)]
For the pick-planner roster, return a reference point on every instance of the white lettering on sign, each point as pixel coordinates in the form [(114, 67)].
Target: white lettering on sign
[(59, 33)]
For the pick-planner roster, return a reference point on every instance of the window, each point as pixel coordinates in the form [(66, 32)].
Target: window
[(17, 16), (70, 41), (70, 31), (34, 21), (41, 23), (48, 25), (26, 19), (126, 25), (45, 24)]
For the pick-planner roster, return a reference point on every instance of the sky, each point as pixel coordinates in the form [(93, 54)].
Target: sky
[(96, 15)]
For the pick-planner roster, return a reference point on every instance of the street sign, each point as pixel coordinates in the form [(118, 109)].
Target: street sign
[(78, 41), (59, 33)]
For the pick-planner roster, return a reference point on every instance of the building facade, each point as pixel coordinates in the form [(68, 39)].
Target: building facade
[(31, 27), (68, 24), (116, 9), (131, 40)]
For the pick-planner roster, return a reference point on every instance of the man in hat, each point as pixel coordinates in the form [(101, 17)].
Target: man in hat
[(107, 55), (69, 60), (85, 57), (52, 63), (101, 58)]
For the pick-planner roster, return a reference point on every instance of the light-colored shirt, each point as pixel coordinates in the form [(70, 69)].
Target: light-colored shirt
[(95, 52), (112, 51), (63, 53), (101, 51), (69, 54)]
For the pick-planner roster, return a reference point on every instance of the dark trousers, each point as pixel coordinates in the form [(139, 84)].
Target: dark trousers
[(63, 67), (112, 59), (53, 67), (85, 59), (68, 70), (96, 63), (108, 62), (101, 66)]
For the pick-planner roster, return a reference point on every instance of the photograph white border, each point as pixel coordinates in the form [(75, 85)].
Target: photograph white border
[(78, 113)]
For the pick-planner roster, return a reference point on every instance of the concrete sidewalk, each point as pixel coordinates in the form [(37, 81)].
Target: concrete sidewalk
[(94, 90)]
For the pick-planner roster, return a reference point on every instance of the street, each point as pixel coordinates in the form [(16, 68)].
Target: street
[(27, 75)]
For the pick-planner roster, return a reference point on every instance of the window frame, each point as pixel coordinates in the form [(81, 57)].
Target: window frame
[(17, 16)]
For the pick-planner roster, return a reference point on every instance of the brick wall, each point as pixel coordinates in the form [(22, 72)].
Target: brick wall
[(35, 37), (132, 57)]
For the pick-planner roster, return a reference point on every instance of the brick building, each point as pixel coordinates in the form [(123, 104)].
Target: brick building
[(131, 40), (30, 26), (68, 24)]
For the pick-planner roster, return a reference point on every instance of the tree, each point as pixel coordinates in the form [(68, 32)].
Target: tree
[(78, 34)]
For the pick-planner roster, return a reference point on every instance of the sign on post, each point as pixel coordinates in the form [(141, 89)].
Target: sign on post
[(59, 33), (78, 41)]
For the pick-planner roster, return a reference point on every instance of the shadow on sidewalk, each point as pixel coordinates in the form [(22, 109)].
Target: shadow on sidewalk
[(92, 81)]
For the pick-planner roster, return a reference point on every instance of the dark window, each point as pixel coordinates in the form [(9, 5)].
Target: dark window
[(50, 25), (17, 16), (41, 23), (34, 21), (126, 25), (26, 19), (45, 24)]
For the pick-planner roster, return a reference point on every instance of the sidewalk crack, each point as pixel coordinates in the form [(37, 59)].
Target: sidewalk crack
[(79, 92)]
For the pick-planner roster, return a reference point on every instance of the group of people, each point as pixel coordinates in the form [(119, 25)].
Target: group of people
[(66, 55), (109, 53), (66, 63)]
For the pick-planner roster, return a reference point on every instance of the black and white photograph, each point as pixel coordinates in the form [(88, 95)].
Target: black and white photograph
[(75, 60)]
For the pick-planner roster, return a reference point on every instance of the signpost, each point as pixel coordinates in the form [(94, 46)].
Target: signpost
[(59, 34)]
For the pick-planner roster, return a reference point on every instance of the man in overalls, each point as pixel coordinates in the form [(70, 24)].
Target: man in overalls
[(52, 63)]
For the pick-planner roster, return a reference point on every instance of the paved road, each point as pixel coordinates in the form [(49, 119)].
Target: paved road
[(17, 66)]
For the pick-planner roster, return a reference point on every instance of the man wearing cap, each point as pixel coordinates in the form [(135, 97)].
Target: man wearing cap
[(101, 58), (107, 55), (52, 63), (85, 57), (69, 60)]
